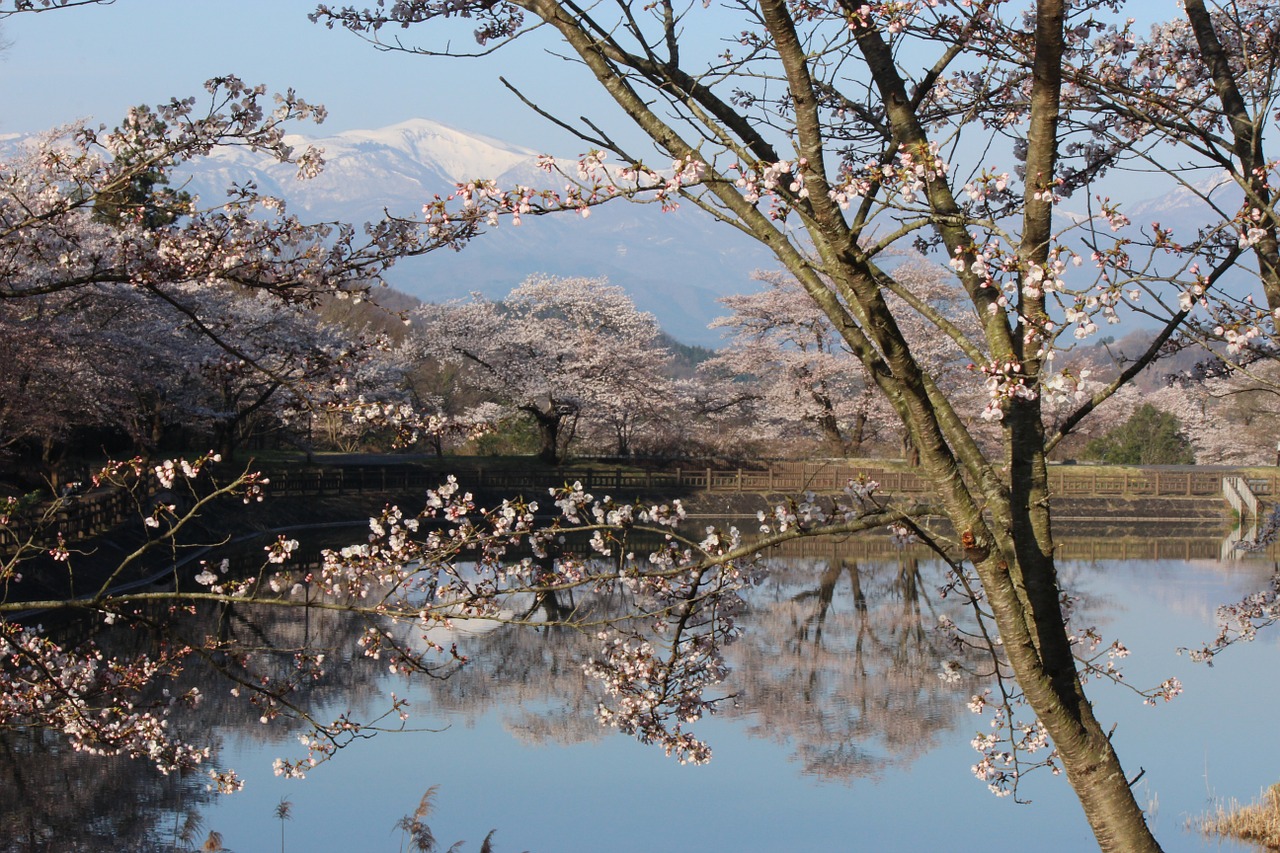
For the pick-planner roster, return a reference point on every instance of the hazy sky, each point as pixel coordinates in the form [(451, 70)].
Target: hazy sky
[(97, 61)]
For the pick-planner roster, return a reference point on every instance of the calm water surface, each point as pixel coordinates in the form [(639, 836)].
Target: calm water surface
[(845, 738)]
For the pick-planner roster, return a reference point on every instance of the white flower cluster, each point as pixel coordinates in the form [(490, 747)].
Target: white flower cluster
[(655, 696), (1005, 381), (1005, 749), (281, 549), (63, 690), (1252, 231), (168, 471), (1067, 386)]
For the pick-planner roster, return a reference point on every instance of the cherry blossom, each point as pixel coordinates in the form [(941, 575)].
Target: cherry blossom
[(562, 351)]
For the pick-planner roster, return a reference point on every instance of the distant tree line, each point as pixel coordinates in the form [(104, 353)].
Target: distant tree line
[(560, 367)]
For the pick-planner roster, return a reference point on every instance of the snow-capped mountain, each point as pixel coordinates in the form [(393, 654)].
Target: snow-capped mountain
[(674, 265), (456, 155), (1188, 207), (395, 168)]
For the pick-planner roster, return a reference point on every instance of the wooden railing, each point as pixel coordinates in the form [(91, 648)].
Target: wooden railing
[(101, 510), (1083, 482), (74, 517), (620, 482), (1241, 496)]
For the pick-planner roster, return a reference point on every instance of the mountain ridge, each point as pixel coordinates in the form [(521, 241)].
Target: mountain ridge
[(675, 265)]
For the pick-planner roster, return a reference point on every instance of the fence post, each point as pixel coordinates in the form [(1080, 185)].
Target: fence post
[(739, 480), (708, 479)]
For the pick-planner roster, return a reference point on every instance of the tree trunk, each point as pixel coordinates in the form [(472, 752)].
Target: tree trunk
[(832, 437), (548, 434), (1052, 688), (1019, 576), (858, 434), (224, 439), (52, 455), (156, 433), (623, 442)]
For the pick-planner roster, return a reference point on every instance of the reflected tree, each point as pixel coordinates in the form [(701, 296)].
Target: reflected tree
[(853, 679), (58, 798)]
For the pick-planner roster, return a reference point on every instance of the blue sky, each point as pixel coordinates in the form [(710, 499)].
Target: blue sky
[(97, 61)]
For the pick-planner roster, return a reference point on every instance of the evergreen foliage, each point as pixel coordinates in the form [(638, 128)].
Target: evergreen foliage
[(1149, 437)]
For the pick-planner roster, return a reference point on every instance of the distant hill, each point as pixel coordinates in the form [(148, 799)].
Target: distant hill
[(674, 265)]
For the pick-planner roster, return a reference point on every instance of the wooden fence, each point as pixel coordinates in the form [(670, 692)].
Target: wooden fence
[(101, 510), (620, 482), (75, 518), (1065, 481)]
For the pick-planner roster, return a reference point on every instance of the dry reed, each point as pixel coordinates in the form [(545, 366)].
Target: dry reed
[(1256, 822)]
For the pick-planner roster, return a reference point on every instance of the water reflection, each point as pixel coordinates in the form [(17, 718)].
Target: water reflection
[(58, 799), (838, 657), (838, 667), (841, 661)]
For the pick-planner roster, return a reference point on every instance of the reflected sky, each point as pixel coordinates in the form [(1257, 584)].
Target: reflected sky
[(846, 739)]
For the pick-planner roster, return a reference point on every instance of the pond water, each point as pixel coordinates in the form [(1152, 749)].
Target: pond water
[(844, 738)]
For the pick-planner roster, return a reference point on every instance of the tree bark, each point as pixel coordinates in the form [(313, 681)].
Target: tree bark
[(548, 422), (999, 506), (1246, 135)]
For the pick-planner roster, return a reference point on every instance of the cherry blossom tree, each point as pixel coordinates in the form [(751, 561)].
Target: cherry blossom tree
[(832, 132), (115, 288), (1206, 88), (798, 369), (100, 257), (253, 360), (1229, 419), (53, 383), (558, 350), (126, 364), (803, 372), (87, 208)]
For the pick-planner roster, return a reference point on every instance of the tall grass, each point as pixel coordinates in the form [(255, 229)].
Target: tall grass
[(1256, 822)]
